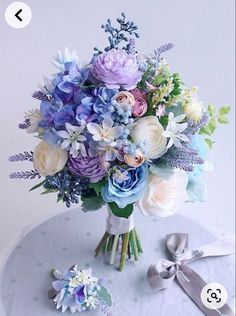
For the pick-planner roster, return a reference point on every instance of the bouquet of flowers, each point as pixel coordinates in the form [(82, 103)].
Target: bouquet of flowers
[(121, 130)]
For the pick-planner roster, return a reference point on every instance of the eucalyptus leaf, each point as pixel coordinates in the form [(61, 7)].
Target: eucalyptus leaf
[(92, 204), (105, 296)]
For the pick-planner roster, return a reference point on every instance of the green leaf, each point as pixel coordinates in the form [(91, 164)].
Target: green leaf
[(121, 212), (98, 186), (92, 204), (59, 199), (48, 191), (205, 131), (223, 119), (212, 125), (209, 142), (224, 110), (37, 185), (164, 120), (212, 110), (105, 296)]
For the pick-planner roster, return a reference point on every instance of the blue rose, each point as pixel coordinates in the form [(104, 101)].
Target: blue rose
[(125, 186), (196, 187)]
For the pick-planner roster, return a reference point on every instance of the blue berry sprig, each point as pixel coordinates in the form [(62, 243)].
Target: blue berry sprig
[(123, 34)]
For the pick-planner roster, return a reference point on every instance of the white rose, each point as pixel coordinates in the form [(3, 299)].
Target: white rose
[(49, 160), (148, 130), (163, 197), (34, 118), (194, 110)]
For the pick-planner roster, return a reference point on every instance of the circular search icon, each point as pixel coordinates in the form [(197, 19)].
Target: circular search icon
[(214, 295)]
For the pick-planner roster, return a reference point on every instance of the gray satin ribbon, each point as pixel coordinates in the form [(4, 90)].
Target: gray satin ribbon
[(164, 272)]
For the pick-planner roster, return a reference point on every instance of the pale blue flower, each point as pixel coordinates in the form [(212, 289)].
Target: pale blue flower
[(105, 133), (107, 151), (62, 58), (73, 139)]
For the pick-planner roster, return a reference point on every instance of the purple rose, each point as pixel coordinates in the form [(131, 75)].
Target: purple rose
[(117, 69), (90, 167)]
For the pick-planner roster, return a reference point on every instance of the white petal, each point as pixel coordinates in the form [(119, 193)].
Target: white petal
[(116, 132), (94, 129), (83, 150), (75, 146), (107, 122), (181, 127), (73, 153), (177, 143), (166, 134), (171, 116), (63, 134), (182, 137), (170, 143), (70, 128), (180, 118), (65, 144)]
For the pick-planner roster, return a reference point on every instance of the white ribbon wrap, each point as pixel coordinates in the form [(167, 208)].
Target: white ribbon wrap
[(119, 225)]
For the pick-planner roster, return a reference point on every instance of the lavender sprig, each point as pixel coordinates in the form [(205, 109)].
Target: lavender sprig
[(33, 174), (39, 95), (162, 49), (25, 124), (194, 127), (25, 156), (184, 158)]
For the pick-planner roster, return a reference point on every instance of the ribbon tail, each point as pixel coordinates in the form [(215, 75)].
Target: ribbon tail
[(193, 284), (160, 280)]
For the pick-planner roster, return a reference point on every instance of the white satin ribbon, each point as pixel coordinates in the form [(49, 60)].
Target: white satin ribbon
[(119, 225)]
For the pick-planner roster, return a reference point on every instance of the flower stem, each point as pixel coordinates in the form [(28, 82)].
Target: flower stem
[(124, 251), (110, 242), (114, 248), (138, 241), (101, 244), (133, 236), (130, 247)]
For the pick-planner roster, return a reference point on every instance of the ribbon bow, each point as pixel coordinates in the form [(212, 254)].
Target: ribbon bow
[(164, 272)]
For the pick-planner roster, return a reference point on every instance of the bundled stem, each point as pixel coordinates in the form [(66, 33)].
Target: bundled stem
[(129, 243)]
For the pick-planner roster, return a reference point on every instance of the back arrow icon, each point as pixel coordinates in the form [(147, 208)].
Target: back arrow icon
[(17, 15)]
